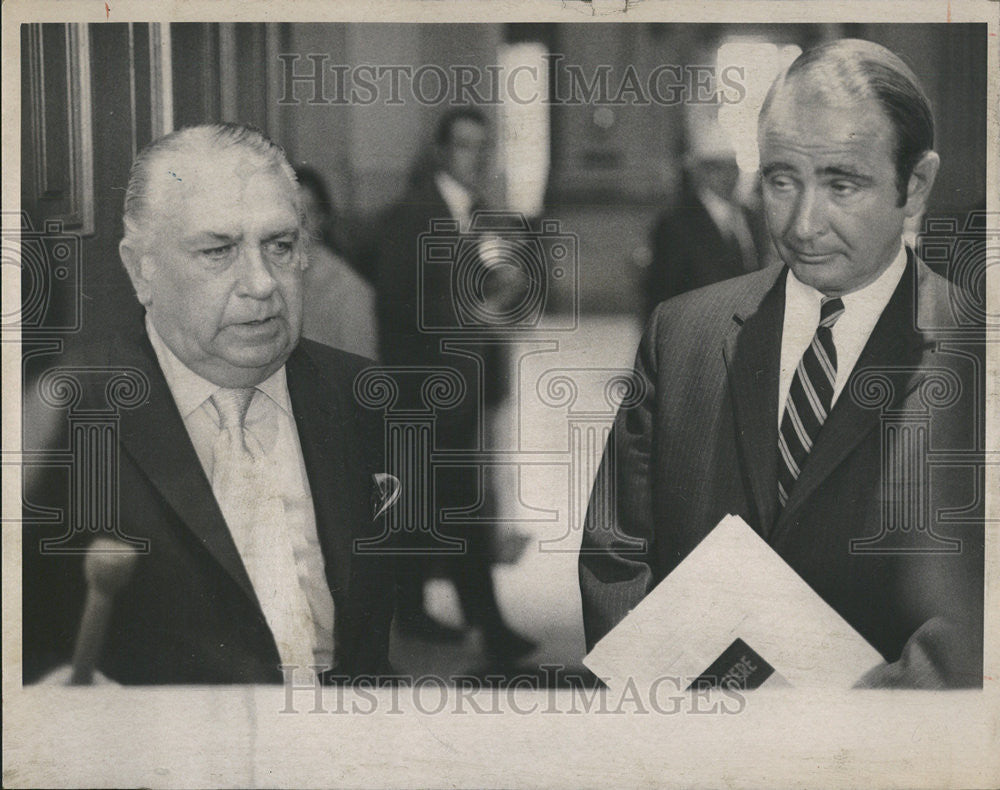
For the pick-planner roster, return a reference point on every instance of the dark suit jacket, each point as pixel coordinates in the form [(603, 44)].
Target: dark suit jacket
[(702, 444), (413, 295), (689, 251), (189, 613), (410, 292)]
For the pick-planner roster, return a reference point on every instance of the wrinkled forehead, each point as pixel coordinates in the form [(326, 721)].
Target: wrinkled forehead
[(211, 181)]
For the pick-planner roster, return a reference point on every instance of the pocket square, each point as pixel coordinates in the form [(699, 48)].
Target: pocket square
[(385, 491)]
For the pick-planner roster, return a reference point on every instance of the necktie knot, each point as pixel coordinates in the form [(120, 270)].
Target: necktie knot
[(232, 405), (830, 310)]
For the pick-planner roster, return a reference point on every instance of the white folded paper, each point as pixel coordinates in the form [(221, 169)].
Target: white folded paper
[(733, 612)]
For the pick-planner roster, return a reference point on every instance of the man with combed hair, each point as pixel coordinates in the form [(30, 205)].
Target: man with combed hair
[(797, 368), (250, 467)]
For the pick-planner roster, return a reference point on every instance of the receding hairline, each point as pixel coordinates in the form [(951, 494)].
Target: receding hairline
[(170, 158), (808, 91), (844, 67), (243, 164), (855, 69)]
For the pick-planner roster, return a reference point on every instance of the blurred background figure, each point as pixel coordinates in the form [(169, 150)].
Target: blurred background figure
[(446, 186), (709, 235), (339, 304)]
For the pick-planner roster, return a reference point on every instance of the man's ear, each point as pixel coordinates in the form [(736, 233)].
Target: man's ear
[(921, 182), (140, 267)]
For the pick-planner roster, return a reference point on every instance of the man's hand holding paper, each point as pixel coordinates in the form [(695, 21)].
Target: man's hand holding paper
[(733, 598)]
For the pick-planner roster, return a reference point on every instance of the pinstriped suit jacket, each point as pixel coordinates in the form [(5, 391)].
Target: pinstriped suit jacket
[(867, 525)]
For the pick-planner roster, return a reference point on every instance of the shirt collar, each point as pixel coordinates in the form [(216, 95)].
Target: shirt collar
[(457, 196), (870, 300), (190, 390), (718, 208), (275, 387)]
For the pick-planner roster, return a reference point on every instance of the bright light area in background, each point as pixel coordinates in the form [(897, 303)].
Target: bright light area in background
[(524, 126), (761, 62)]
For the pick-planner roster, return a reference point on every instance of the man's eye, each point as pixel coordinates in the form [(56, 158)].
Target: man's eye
[(281, 252), (844, 188), (781, 183), (218, 253)]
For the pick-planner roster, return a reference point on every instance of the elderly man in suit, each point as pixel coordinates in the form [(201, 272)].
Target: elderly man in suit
[(248, 469), (765, 395)]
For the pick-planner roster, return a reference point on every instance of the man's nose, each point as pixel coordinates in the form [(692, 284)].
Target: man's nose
[(810, 218), (254, 278)]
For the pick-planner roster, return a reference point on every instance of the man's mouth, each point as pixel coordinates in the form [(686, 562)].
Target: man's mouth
[(256, 324), (813, 257)]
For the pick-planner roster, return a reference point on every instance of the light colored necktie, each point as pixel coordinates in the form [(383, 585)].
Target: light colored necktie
[(243, 483), (809, 399)]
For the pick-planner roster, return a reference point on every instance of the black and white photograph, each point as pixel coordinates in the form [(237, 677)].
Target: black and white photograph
[(571, 394)]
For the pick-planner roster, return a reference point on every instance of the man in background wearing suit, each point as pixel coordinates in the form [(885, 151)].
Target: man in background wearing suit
[(707, 236), (781, 427), (249, 466), (450, 191)]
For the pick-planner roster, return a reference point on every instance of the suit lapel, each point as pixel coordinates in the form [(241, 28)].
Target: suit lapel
[(325, 437), (753, 353), (894, 343), (155, 437)]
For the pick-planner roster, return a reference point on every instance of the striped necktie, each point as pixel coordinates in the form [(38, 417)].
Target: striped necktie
[(809, 399)]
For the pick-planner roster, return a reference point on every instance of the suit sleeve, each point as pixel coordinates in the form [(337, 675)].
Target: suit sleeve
[(615, 557)]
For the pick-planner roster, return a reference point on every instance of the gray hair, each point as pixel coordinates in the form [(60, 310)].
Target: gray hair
[(213, 138)]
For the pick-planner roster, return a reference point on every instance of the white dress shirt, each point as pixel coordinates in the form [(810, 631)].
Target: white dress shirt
[(862, 309), (270, 420)]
